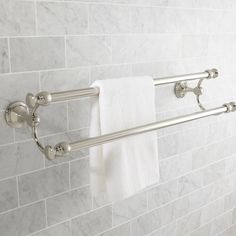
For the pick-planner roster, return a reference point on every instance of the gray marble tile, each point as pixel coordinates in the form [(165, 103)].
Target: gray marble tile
[(190, 182), (4, 56), (68, 205), (23, 221), (222, 223), (19, 158), (229, 232), (62, 18), (109, 19), (53, 119), (28, 54), (188, 223), (213, 172), (17, 18), (59, 230), (153, 220), (92, 223), (79, 171), (43, 183), (213, 152), (101, 200), (79, 113), (163, 194), (6, 134), (60, 80), (212, 210), (107, 72), (148, 20), (140, 48), (129, 208), (14, 87), (8, 194), (230, 201), (88, 50), (176, 166), (204, 230), (123, 230)]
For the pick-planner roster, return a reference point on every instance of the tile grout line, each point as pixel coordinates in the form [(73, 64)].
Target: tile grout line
[(220, 233), (174, 7), (9, 56), (36, 17), (149, 210)]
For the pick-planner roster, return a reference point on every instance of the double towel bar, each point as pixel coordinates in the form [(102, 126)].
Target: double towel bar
[(19, 113)]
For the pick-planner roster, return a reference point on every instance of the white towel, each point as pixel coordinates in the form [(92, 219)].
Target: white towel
[(123, 167)]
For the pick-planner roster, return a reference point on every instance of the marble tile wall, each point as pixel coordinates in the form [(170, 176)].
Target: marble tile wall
[(67, 44)]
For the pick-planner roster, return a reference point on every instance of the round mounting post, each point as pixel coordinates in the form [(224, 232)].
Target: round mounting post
[(17, 114)]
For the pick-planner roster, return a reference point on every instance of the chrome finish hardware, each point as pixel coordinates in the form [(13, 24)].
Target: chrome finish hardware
[(43, 98), (231, 107), (18, 113), (213, 73), (181, 88)]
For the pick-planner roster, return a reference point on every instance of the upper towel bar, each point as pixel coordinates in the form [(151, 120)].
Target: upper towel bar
[(45, 98), (19, 113)]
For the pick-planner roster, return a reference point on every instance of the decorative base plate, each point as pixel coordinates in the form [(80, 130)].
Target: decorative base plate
[(16, 114), (180, 89)]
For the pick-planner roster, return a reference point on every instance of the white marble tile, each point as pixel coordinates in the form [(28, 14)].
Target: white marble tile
[(6, 134), (61, 80), (176, 166), (129, 208), (79, 173), (59, 230), (230, 201), (53, 119), (213, 172), (19, 158), (153, 220), (58, 18), (8, 194), (68, 205), (222, 223), (88, 50), (14, 87), (229, 232), (140, 48), (79, 113), (195, 45), (92, 223), (123, 230), (4, 56), (213, 152), (23, 221), (17, 18), (29, 54), (188, 223), (190, 182), (107, 72), (163, 194), (44, 183), (212, 210), (109, 19)]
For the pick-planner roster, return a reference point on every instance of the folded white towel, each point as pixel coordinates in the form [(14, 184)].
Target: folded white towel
[(124, 167)]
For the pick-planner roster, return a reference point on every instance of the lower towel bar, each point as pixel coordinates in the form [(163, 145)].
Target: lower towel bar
[(64, 147)]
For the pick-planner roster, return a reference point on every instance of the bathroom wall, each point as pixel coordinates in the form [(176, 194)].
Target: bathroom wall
[(59, 45)]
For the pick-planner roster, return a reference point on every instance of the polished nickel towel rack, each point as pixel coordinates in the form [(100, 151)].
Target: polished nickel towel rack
[(18, 113)]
